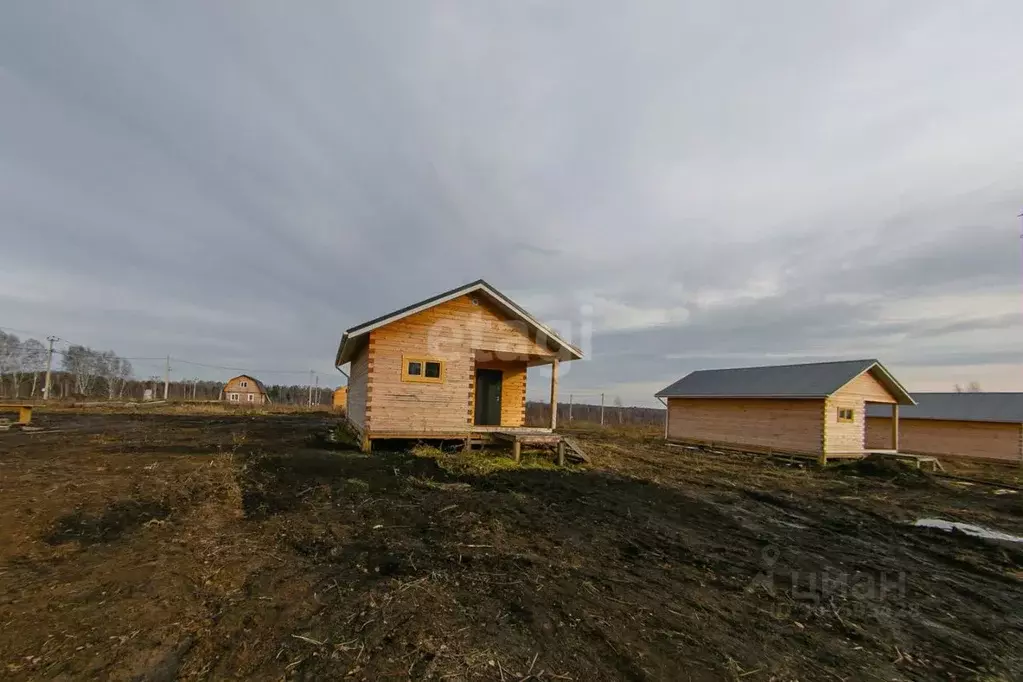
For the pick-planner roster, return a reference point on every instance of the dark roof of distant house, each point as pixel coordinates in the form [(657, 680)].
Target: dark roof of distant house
[(970, 407), (345, 348), (812, 380)]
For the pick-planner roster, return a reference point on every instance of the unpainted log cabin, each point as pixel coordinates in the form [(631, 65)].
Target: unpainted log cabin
[(244, 390), (340, 397), (815, 409), (985, 426), (448, 367)]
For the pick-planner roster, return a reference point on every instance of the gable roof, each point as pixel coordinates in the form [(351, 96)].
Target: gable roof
[(812, 380), (970, 407), (346, 347)]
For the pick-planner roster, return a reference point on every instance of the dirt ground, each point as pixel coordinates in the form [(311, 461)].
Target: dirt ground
[(162, 547)]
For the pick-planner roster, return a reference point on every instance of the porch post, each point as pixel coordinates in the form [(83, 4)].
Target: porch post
[(554, 394), (895, 427)]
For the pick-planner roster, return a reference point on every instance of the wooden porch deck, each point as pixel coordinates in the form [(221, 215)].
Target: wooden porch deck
[(516, 436)]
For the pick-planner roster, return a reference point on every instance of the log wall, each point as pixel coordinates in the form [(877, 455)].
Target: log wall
[(983, 440), (453, 332), (784, 425)]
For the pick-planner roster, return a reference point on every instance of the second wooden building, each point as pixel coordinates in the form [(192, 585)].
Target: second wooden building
[(815, 409)]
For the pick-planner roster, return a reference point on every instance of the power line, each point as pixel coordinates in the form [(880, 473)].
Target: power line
[(22, 331), (240, 369)]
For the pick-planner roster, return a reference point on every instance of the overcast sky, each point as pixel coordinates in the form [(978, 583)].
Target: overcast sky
[(716, 183)]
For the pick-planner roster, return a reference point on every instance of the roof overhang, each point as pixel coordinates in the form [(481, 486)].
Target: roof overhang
[(354, 337), (891, 384)]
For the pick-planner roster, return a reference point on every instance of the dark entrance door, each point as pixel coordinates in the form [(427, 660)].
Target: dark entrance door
[(488, 397)]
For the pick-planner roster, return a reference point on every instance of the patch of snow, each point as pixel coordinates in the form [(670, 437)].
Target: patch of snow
[(968, 528)]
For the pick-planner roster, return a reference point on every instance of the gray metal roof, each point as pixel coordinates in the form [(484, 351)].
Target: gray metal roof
[(972, 407), (813, 380)]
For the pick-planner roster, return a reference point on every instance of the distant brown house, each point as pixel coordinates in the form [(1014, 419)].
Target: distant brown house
[(813, 409), (450, 366), (244, 390), (340, 398), (980, 425)]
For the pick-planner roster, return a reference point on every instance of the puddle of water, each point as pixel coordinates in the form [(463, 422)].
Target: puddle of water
[(968, 528)]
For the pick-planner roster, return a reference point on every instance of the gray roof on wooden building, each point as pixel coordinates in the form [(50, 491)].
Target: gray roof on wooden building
[(970, 407), (812, 380)]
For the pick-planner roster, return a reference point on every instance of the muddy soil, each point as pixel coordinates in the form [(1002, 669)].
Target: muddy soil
[(162, 547)]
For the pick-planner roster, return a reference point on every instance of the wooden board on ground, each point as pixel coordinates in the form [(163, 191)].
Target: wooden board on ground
[(576, 453), (919, 461)]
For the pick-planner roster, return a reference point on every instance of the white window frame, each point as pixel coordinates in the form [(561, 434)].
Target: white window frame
[(252, 397), (233, 397)]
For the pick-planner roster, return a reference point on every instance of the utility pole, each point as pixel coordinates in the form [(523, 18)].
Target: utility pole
[(569, 407), (195, 387), (166, 379), (601, 409), (311, 373), (49, 363)]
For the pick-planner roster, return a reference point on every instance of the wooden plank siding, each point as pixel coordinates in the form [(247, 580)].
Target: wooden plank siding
[(453, 332), (340, 397), (783, 425), (866, 388), (850, 437), (982, 440), (844, 437), (358, 389)]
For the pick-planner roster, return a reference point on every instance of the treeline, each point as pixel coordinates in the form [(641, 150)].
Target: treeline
[(81, 373), (151, 388), (21, 364), (539, 414), (78, 371)]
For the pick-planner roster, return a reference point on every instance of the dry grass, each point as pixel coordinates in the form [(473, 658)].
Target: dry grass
[(478, 462), (614, 431), (186, 407)]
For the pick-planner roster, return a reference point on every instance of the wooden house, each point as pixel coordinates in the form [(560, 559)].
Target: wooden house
[(340, 397), (980, 425), (451, 366), (244, 390), (813, 409)]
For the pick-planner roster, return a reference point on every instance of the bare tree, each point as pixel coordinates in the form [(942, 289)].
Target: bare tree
[(84, 365), (618, 408), (10, 359), (972, 387), (33, 359), (116, 370)]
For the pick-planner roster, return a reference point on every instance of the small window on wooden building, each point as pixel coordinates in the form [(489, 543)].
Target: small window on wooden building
[(245, 384), (233, 396), (252, 397), (422, 370), (845, 414)]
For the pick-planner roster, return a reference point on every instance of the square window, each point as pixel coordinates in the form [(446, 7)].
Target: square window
[(415, 368), (432, 370), (245, 384), (845, 414)]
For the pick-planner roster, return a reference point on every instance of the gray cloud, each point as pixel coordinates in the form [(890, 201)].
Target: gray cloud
[(722, 183)]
